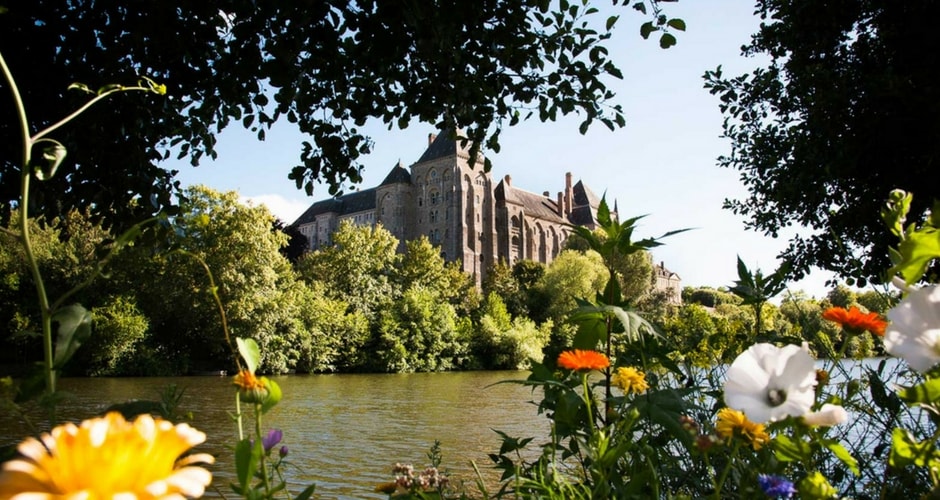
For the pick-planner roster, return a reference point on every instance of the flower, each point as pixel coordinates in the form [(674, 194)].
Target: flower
[(776, 486), (250, 388), (630, 380), (769, 383), (914, 332), (582, 360), (855, 321), (283, 451), (109, 457), (827, 416), (273, 438), (731, 422)]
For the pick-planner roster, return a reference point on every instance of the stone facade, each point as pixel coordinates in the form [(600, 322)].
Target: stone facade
[(458, 207)]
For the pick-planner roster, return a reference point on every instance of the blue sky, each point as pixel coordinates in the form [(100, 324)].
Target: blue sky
[(662, 164)]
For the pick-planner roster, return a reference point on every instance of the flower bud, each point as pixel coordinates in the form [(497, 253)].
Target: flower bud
[(827, 416)]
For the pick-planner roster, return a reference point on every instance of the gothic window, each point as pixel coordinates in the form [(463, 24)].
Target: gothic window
[(478, 199), (420, 201), (433, 175), (433, 216), (447, 196), (435, 197)]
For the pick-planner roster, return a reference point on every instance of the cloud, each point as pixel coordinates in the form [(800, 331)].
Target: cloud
[(287, 210)]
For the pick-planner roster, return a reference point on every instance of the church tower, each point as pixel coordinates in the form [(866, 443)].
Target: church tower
[(454, 204)]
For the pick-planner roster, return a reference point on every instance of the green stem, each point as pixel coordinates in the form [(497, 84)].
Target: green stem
[(587, 401), (262, 466), (720, 483), (44, 309)]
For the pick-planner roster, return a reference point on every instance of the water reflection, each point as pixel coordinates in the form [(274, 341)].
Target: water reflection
[(344, 432)]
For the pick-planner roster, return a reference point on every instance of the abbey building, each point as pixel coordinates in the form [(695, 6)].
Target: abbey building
[(459, 208)]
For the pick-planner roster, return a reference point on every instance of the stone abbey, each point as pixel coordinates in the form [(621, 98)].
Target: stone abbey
[(458, 207)]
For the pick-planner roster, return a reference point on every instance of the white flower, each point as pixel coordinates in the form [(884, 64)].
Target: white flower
[(769, 383), (827, 416), (914, 332)]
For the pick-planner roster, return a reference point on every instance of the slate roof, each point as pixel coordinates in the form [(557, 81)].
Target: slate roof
[(535, 204), (347, 204), (443, 146), (398, 175), (582, 211)]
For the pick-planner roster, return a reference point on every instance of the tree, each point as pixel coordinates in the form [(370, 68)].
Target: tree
[(844, 111), (572, 275), (357, 268), (328, 67)]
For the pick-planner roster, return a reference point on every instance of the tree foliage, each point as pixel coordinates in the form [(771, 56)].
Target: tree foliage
[(844, 110), (328, 67)]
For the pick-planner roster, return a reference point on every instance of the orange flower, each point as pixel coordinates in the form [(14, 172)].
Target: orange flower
[(855, 321), (583, 360), (247, 381), (251, 388)]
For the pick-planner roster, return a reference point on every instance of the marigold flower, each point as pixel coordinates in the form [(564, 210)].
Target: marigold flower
[(769, 383), (109, 457), (855, 321), (732, 423), (251, 388), (583, 360), (630, 380)]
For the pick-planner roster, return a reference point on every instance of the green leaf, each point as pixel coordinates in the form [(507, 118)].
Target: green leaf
[(917, 250), (789, 450), (247, 458), (74, 328), (667, 40), (274, 395), (879, 394), (905, 450), (52, 156), (678, 24), (647, 28), (925, 393), (611, 21), (249, 351), (306, 493), (842, 454)]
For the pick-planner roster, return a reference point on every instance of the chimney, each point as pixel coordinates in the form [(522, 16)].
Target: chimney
[(569, 194), (431, 138), (508, 180), (561, 205), (545, 194)]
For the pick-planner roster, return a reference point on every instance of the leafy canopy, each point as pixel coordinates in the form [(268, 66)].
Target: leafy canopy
[(843, 111), (329, 67)]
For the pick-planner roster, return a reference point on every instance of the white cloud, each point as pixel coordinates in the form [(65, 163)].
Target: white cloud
[(287, 210)]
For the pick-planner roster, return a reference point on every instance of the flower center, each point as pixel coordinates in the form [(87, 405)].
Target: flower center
[(776, 397)]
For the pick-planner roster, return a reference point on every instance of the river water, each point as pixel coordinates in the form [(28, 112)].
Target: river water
[(344, 432)]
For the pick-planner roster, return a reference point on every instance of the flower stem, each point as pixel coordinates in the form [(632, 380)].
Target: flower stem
[(720, 483)]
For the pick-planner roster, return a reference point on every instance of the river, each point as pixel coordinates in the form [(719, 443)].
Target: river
[(344, 432)]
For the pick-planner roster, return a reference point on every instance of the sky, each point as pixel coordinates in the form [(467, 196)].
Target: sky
[(662, 164)]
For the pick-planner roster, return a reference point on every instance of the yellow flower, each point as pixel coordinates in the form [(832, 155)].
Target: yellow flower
[(109, 457), (630, 380), (732, 423)]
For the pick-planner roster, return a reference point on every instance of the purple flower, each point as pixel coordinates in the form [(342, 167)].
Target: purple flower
[(274, 437), (776, 486), (283, 451)]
